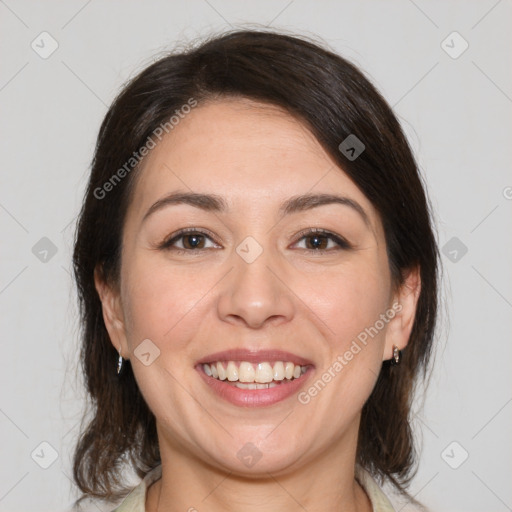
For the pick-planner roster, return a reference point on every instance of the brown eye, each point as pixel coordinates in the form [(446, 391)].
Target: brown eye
[(317, 242), (193, 241), (189, 240), (323, 241)]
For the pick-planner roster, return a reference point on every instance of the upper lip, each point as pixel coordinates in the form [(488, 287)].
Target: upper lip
[(255, 356)]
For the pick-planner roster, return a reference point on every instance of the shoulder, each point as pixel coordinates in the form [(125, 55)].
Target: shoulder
[(378, 499), (136, 500)]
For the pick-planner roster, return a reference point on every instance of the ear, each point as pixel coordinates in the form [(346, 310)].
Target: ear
[(404, 305), (113, 315)]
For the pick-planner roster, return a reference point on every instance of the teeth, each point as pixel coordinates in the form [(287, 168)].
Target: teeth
[(221, 371), (253, 385), (278, 370), (247, 376), (246, 372), (232, 371), (264, 373)]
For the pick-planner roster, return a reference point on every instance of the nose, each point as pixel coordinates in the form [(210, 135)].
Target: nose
[(255, 294)]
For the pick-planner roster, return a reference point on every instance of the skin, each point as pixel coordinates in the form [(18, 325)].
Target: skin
[(290, 298)]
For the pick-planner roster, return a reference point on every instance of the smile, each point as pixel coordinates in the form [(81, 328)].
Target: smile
[(246, 375), (251, 379), (261, 373)]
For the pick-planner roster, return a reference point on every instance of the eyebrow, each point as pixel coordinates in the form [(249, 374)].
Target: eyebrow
[(216, 203)]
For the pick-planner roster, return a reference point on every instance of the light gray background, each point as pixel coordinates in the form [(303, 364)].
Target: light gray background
[(456, 112)]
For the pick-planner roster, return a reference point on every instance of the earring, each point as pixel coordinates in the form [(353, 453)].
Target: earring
[(119, 363), (397, 355)]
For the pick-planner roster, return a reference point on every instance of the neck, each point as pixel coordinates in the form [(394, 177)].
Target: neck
[(325, 483)]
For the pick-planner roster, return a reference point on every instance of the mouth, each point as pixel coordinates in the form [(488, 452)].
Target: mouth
[(246, 375), (254, 378)]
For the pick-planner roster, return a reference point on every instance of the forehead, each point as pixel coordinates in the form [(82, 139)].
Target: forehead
[(252, 153), (244, 133)]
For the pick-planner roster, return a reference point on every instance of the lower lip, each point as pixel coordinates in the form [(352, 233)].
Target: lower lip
[(254, 397)]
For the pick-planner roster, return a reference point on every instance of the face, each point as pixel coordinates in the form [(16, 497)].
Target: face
[(284, 262)]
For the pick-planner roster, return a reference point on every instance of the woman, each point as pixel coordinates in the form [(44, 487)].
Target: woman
[(257, 275)]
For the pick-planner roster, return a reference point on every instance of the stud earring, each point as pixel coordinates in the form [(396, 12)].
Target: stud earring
[(397, 356)]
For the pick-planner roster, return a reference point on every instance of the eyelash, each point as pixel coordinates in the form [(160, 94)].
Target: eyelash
[(342, 243)]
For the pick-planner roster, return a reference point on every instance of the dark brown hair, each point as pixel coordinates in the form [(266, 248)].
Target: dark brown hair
[(334, 100)]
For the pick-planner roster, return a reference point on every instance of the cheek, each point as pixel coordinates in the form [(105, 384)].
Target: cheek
[(352, 299), (159, 305), (361, 297), (157, 302)]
